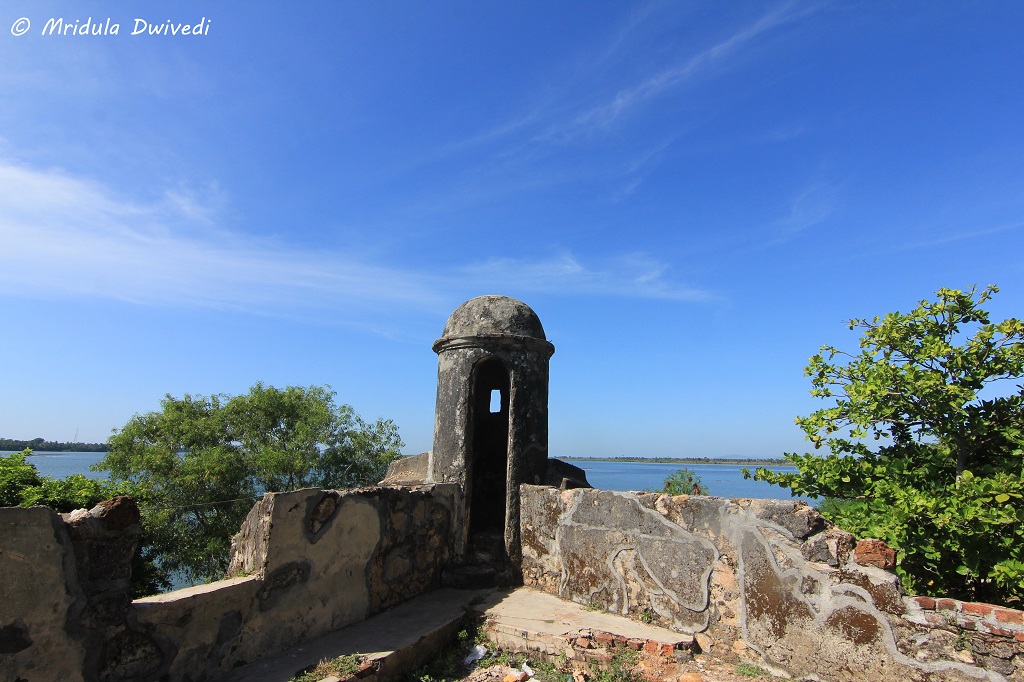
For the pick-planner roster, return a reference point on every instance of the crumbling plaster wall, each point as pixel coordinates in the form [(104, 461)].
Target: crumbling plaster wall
[(761, 580), (304, 563)]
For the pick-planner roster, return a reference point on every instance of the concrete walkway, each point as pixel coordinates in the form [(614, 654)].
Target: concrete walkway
[(399, 639), (521, 620)]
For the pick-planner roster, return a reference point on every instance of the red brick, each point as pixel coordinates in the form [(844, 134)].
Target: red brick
[(874, 553), (666, 650), (1019, 636), (975, 609), (925, 603), (1010, 616), (583, 642), (603, 638), (968, 625), (945, 605), (1000, 632), (651, 647), (637, 644)]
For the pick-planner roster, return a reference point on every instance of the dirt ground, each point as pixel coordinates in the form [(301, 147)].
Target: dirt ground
[(699, 670)]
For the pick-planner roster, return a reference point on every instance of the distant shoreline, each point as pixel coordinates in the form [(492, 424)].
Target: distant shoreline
[(683, 461), (40, 445)]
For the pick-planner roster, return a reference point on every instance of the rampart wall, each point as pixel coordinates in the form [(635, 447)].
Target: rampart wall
[(305, 563), (760, 580)]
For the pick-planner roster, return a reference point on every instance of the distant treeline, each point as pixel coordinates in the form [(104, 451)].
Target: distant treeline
[(683, 461), (50, 446)]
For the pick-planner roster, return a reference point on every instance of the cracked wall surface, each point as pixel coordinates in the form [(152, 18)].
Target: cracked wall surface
[(304, 563), (763, 580)]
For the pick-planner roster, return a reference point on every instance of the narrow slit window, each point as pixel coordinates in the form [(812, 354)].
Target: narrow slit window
[(495, 401)]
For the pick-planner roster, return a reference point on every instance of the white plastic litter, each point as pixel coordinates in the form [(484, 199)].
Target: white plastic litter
[(527, 669), (478, 652)]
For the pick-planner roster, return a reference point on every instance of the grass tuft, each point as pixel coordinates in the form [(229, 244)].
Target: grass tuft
[(341, 667), (751, 670)]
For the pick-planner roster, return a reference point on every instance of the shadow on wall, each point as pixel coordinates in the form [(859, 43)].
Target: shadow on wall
[(305, 563)]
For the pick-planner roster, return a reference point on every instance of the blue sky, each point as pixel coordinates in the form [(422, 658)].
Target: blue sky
[(692, 196)]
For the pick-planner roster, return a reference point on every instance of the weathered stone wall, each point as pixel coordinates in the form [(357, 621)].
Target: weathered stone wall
[(64, 591), (304, 563), (39, 594), (762, 580)]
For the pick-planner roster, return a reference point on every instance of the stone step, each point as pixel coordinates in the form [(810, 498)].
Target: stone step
[(545, 627), (470, 577)]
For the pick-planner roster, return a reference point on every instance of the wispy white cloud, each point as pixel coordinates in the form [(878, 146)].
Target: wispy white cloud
[(527, 149), (627, 98), (640, 167), (940, 238), (63, 236), (632, 275), (564, 118), (812, 205)]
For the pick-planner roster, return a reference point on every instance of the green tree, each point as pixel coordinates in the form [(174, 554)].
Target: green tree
[(943, 483), (21, 485), (200, 462), (298, 438), (16, 476), (684, 481)]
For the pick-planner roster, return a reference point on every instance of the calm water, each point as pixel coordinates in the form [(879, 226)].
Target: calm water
[(63, 464), (722, 480)]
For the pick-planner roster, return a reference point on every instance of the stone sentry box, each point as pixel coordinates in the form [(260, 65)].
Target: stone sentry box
[(490, 427), (491, 418)]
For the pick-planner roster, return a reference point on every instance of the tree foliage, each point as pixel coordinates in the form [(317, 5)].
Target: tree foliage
[(21, 485), (925, 442), (199, 463), (684, 481)]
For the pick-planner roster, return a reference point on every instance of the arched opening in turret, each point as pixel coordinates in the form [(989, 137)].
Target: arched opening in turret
[(488, 458)]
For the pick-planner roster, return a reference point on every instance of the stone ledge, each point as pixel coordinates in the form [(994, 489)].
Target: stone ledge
[(194, 591), (546, 627)]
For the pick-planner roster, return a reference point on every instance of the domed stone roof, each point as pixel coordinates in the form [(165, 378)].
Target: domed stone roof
[(493, 315)]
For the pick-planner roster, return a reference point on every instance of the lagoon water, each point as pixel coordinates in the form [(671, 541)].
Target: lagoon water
[(722, 480), (63, 464)]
